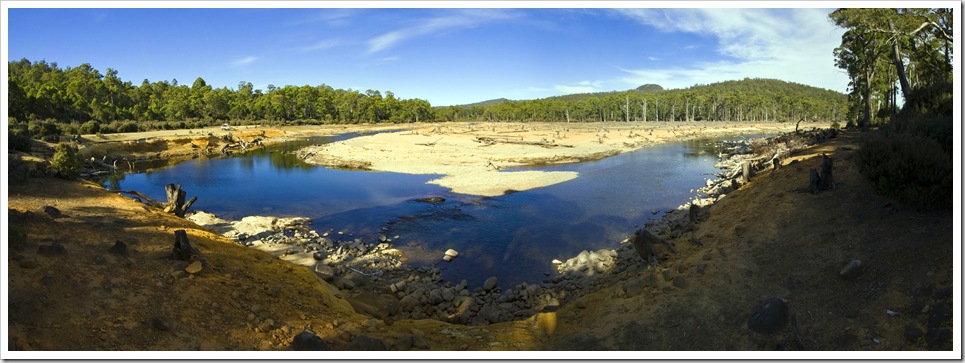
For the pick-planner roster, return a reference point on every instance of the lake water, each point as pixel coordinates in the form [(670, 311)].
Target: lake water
[(514, 237)]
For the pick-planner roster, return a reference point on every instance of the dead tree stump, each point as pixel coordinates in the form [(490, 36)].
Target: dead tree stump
[(746, 172), (826, 181), (643, 241), (813, 180), (182, 249), (176, 203)]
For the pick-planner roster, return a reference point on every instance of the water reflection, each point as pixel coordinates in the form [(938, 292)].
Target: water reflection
[(513, 237)]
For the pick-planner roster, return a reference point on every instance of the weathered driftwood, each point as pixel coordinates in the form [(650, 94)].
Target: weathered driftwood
[(429, 143), (490, 141), (143, 198), (176, 203)]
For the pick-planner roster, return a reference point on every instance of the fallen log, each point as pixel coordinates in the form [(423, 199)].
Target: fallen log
[(143, 198), (490, 141)]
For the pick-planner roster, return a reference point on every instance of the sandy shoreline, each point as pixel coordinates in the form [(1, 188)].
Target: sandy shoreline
[(473, 157)]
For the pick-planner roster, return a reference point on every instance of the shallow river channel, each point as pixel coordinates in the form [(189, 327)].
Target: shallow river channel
[(513, 237)]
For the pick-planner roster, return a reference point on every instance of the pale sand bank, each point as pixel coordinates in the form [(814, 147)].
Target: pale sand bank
[(474, 157)]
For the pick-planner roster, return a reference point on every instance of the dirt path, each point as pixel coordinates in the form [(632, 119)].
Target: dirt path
[(768, 239)]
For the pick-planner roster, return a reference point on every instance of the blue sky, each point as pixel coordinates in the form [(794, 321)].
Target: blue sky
[(444, 55)]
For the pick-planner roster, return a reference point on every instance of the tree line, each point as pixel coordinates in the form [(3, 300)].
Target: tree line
[(48, 100), (742, 100), (79, 96)]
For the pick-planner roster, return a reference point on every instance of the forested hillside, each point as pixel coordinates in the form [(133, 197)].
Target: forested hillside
[(744, 100), (82, 99), (48, 100)]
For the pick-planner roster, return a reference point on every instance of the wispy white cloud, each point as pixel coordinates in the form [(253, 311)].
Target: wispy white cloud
[(244, 61), (789, 44), (580, 87), (324, 44), (332, 17), (652, 58), (459, 19)]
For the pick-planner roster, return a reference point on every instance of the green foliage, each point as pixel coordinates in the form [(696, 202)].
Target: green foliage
[(911, 168), (66, 162), (42, 90), (743, 100), (18, 141), (90, 127), (18, 170), (911, 157), (127, 127)]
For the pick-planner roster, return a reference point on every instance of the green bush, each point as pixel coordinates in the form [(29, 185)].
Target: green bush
[(911, 168), (18, 141), (127, 127), (66, 162), (90, 127)]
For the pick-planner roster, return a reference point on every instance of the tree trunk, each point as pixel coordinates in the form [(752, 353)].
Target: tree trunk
[(899, 66)]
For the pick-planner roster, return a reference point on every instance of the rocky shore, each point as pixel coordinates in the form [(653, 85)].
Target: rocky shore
[(366, 268)]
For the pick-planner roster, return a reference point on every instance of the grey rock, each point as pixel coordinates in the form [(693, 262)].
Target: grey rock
[(679, 282), (161, 323), (448, 294), (51, 212), (769, 317), (435, 297), (119, 248), (489, 313), (29, 263), (490, 283), (667, 275), (634, 287), (366, 343), (308, 341), (408, 302), (324, 271), (318, 256), (912, 332), (851, 270)]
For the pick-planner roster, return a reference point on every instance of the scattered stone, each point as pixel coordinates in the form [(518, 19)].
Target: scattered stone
[(488, 313), (769, 317), (266, 325), (851, 270), (318, 256), (679, 282), (98, 260), (701, 268), (939, 313), (51, 212), (325, 272), (53, 249), (706, 256), (193, 268), (431, 200), (667, 275), (557, 262), (447, 258), (161, 323), (938, 336), (490, 283), (346, 284), (29, 263), (912, 332), (452, 253), (633, 287), (119, 248), (366, 343)]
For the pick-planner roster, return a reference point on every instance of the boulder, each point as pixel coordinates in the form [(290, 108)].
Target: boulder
[(769, 317), (119, 248), (490, 283), (53, 249), (308, 341), (366, 343)]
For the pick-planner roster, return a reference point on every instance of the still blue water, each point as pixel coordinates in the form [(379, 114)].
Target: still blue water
[(514, 237)]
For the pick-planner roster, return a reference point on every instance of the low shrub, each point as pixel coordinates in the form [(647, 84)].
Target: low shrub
[(66, 162), (913, 169), (18, 141)]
